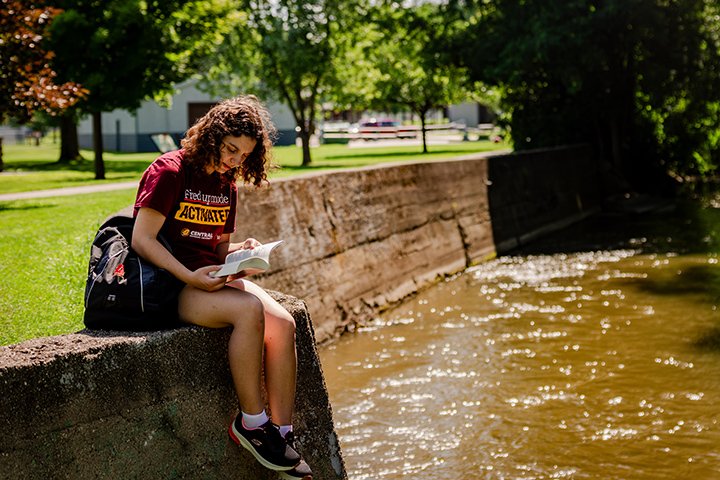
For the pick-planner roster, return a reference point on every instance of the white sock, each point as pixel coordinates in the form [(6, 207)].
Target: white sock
[(254, 421), (285, 429)]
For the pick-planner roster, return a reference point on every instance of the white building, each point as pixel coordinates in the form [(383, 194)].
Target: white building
[(471, 114), (12, 135), (126, 131)]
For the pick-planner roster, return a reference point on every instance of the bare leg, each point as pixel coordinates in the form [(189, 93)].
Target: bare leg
[(245, 314), (280, 354)]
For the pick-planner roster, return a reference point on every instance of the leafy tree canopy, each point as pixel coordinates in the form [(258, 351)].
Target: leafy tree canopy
[(288, 51), (638, 79), (124, 51), (408, 69), (28, 83)]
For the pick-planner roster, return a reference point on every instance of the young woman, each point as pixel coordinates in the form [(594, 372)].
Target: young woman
[(190, 197)]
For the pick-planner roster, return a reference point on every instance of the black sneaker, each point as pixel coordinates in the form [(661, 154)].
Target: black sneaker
[(266, 444), (302, 470)]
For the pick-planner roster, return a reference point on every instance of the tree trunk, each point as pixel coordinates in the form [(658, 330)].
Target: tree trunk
[(305, 142), (424, 132), (2, 166), (98, 146), (69, 146)]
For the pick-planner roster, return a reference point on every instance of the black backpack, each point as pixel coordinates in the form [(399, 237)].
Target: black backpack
[(123, 290)]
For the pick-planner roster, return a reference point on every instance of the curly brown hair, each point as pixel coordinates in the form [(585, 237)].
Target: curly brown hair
[(242, 115)]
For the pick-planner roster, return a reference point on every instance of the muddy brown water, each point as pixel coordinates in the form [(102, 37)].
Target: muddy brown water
[(592, 354)]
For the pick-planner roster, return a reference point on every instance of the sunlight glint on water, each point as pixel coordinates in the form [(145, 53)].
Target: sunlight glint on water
[(586, 365)]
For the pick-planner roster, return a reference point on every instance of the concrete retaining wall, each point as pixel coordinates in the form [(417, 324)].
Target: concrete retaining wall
[(145, 406), (534, 193), (360, 240)]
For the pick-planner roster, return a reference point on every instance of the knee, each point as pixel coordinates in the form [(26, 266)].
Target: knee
[(284, 324), (250, 314), (288, 322)]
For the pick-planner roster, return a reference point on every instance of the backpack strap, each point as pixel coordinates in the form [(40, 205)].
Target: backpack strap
[(125, 223)]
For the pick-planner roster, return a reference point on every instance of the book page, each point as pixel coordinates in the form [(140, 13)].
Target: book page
[(251, 261), (263, 251)]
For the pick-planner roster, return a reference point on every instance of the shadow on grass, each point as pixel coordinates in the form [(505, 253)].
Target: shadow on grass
[(404, 154), (15, 206), (119, 166), (371, 154), (319, 167), (111, 175)]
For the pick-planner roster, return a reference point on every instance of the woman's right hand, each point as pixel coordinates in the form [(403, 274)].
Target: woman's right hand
[(201, 279)]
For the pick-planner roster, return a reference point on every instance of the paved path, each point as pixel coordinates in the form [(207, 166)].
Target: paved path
[(57, 192)]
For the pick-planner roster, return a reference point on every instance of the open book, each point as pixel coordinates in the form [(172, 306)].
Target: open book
[(247, 262)]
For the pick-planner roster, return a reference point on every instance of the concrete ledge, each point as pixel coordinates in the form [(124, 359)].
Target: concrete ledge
[(148, 406)]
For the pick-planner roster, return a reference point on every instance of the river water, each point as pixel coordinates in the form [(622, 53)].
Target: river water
[(592, 354)]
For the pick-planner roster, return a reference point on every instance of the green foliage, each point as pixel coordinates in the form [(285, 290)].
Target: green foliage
[(287, 51), (27, 80), (410, 72), (638, 79), (125, 51), (407, 70), (28, 84)]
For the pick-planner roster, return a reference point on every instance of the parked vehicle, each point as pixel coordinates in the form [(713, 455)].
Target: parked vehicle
[(374, 129)]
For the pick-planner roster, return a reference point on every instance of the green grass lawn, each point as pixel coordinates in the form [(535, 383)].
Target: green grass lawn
[(44, 243), (36, 168), (43, 261)]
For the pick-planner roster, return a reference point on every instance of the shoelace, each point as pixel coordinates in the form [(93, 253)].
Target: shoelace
[(274, 439)]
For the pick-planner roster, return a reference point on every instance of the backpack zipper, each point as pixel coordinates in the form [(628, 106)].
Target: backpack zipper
[(142, 285), (94, 279)]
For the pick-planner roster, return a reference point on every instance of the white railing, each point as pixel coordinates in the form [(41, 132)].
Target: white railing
[(367, 132)]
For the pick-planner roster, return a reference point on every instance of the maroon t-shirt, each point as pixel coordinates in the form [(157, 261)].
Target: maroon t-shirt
[(198, 208)]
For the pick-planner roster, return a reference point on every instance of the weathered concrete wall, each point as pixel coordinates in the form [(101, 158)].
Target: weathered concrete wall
[(360, 240), (145, 406)]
